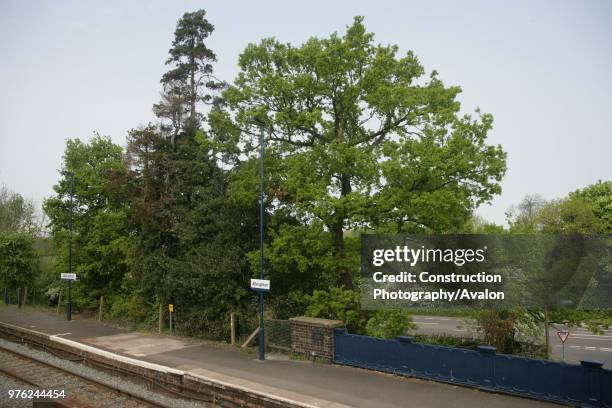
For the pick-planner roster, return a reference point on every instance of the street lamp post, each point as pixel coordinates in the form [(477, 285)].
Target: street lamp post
[(69, 303), (262, 348)]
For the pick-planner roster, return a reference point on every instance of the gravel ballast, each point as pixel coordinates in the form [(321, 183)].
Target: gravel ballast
[(116, 381), (7, 384)]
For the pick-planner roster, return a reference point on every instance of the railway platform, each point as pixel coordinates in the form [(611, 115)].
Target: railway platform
[(301, 383)]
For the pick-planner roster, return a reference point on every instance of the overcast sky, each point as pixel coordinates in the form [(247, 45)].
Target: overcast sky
[(542, 68)]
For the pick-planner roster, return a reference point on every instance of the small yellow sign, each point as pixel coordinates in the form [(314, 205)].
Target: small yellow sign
[(171, 307)]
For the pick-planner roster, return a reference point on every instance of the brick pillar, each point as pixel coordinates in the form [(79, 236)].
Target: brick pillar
[(314, 336)]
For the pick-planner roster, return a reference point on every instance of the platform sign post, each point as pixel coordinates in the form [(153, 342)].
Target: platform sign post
[(563, 335), (262, 337), (69, 302), (69, 277)]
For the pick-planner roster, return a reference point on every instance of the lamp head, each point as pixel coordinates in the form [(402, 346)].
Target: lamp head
[(260, 120)]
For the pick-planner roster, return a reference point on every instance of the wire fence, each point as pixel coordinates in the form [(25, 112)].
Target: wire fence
[(278, 334)]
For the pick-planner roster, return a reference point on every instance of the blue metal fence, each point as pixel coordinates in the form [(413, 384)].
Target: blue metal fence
[(585, 384)]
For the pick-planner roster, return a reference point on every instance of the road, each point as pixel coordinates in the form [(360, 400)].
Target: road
[(581, 344)]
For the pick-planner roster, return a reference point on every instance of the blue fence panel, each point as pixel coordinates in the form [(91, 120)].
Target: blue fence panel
[(573, 385), (545, 378), (363, 351), (510, 374), (419, 360), (587, 383), (606, 390)]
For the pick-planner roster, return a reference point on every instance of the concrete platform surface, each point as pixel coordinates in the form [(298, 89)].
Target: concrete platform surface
[(311, 383)]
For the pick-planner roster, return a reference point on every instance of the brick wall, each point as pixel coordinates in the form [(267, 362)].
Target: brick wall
[(314, 336)]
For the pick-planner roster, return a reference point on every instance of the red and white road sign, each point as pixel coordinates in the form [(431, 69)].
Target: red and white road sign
[(563, 335)]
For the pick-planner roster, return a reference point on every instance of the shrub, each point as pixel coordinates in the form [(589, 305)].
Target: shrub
[(339, 304), (389, 323), (129, 308)]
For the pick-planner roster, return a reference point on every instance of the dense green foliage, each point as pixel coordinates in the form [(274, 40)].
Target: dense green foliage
[(584, 211), (523, 348), (17, 215), (19, 258), (389, 324), (340, 304), (191, 71), (18, 261), (94, 172), (190, 240), (358, 139), (153, 224)]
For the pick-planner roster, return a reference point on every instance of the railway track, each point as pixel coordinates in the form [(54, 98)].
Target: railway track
[(54, 381)]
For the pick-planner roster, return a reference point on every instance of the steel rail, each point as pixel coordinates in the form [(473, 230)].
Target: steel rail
[(108, 367), (73, 374)]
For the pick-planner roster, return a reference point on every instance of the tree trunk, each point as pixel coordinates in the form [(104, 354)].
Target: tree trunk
[(146, 173), (232, 328), (546, 333), (346, 276), (338, 231), (194, 97)]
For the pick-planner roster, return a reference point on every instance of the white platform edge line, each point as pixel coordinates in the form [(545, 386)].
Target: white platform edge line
[(118, 357), (23, 329), (253, 391)]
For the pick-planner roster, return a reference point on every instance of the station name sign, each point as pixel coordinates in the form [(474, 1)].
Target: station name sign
[(262, 285), (69, 276)]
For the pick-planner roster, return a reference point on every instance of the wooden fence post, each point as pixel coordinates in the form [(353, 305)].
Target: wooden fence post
[(101, 308), (233, 328), (59, 301), (159, 324)]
